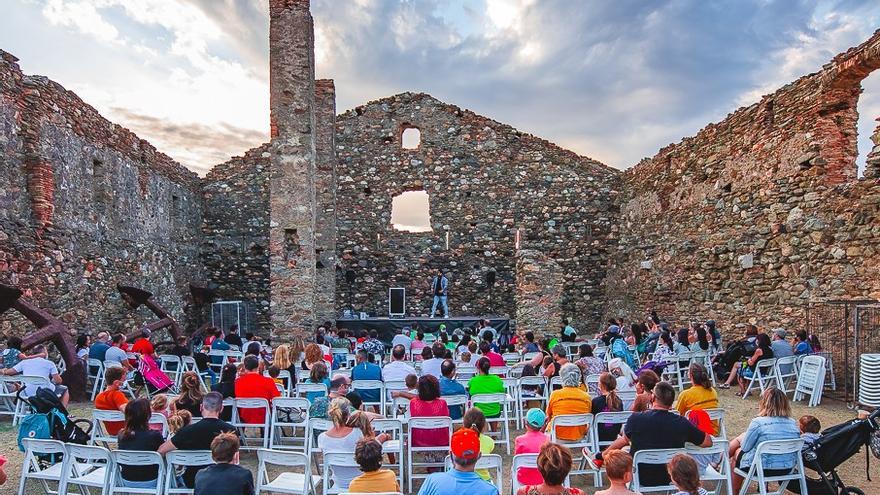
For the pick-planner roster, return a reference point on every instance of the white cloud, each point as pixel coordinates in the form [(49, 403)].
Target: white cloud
[(83, 16)]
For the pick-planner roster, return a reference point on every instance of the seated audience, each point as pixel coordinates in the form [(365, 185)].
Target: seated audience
[(365, 370), (465, 452), (774, 422), (618, 466), (116, 355), (645, 390), (529, 345), (402, 338), (701, 394), (559, 359), (318, 374), (431, 365), (111, 398), (368, 455), (484, 383), (159, 405), (531, 442), (340, 438), (567, 332), (312, 356), (570, 399), (449, 387), (398, 368), (251, 384), (39, 365), (225, 477), (274, 373), (339, 388), (190, 397), (685, 475), (226, 388), (589, 364), (607, 401), (98, 349), (658, 429), (199, 435), (375, 346), (142, 345), (554, 464), (178, 421), (476, 420), (82, 346), (232, 337), (180, 348), (429, 404), (746, 372), (486, 351), (801, 345), (137, 435)]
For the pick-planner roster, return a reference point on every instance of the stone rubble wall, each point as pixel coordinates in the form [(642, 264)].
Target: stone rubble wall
[(86, 204), (539, 290), (325, 191), (485, 181), (757, 215)]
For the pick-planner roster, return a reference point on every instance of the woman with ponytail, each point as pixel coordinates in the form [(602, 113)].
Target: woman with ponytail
[(701, 395), (685, 475), (607, 401), (137, 435), (191, 395)]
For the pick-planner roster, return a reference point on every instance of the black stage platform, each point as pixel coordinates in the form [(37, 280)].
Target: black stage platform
[(387, 327)]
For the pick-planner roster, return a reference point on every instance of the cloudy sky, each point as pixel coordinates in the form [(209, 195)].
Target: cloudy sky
[(612, 79)]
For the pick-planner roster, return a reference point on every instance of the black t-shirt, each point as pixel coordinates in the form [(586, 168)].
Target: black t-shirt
[(607, 432), (179, 351), (194, 408), (227, 390), (147, 440), (657, 429), (224, 479), (233, 339), (198, 436)]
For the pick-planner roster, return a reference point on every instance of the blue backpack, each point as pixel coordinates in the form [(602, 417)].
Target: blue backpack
[(37, 426)]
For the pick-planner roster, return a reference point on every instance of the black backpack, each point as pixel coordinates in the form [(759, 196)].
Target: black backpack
[(63, 427)]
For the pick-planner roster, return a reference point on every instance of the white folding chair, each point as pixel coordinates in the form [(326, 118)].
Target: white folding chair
[(7, 396), (811, 380), (511, 358), (829, 369), (786, 373), (421, 423), (371, 385), (22, 408), (501, 371), (604, 418), (289, 413), (627, 397), (395, 445), (136, 458), (592, 383), (95, 370), (263, 427), (791, 448), (316, 426), (287, 481), (661, 457), (523, 395), (160, 419), (764, 375), (489, 462), (400, 408), (51, 450), (98, 472), (172, 367), (503, 419), (304, 388), (715, 414), (576, 446), (330, 484), (182, 458), (459, 402), (464, 372), (99, 431)]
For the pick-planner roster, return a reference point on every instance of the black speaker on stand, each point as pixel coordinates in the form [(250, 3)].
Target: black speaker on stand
[(490, 282)]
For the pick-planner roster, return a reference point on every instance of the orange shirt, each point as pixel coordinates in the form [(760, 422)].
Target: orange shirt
[(111, 400), (569, 400), (254, 385)]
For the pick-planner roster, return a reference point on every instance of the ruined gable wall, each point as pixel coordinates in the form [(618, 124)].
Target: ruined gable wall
[(485, 180), (71, 235), (755, 215)]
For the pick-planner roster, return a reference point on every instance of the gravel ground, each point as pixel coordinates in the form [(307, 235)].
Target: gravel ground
[(739, 413)]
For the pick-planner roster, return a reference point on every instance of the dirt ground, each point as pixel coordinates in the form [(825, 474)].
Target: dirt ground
[(739, 413)]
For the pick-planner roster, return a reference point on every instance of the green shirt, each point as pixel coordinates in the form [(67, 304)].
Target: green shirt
[(487, 384)]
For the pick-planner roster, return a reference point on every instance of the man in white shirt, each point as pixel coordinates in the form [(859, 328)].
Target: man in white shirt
[(115, 356), (432, 366), (397, 369), (402, 338), (40, 366)]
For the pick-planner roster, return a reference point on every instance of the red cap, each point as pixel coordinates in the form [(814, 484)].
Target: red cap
[(465, 444)]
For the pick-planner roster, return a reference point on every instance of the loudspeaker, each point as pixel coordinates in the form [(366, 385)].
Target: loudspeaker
[(490, 278), (396, 301), (350, 276)]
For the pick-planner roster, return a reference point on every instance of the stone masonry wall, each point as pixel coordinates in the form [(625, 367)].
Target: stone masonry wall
[(756, 215), (325, 191), (539, 290), (86, 204), (485, 181)]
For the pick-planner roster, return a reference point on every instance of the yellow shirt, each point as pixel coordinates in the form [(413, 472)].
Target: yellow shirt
[(487, 445), (569, 400), (379, 481), (698, 397)]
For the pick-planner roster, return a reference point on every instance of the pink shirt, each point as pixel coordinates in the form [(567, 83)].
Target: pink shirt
[(530, 442), (429, 437), (495, 359)]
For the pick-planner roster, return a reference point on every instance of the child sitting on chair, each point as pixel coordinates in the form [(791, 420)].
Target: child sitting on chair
[(226, 476), (685, 475), (619, 468)]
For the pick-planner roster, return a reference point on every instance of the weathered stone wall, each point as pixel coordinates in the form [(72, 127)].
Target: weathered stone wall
[(325, 191), (292, 171), (539, 291), (758, 214), (485, 181), (85, 204), (236, 232)]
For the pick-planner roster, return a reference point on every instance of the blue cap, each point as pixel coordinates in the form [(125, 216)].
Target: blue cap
[(536, 417)]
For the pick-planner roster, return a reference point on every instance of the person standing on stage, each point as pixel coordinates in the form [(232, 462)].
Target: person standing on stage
[(439, 289)]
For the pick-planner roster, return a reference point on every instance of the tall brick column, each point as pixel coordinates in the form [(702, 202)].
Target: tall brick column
[(325, 189), (292, 167)]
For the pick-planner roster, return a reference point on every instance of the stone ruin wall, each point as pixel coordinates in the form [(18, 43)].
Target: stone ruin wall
[(757, 215), (86, 204), (485, 181)]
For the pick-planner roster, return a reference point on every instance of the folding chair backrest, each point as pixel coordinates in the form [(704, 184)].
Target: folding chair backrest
[(138, 458), (511, 357), (654, 457), (87, 454), (179, 458), (715, 414), (779, 447), (250, 403), (315, 427), (160, 419), (627, 397), (432, 423), (46, 449), (614, 417), (572, 420), (490, 462), (459, 401), (331, 461), (285, 458), (99, 433), (521, 461), (393, 427), (303, 388), (499, 370)]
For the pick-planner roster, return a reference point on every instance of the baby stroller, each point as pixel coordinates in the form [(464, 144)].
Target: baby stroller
[(49, 419), (150, 375), (834, 447)]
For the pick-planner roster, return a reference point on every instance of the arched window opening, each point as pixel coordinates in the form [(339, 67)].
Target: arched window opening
[(411, 138)]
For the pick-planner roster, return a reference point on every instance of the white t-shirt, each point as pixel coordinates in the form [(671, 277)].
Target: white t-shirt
[(115, 355), (432, 367), (36, 367), (342, 475), (397, 371), (403, 340)]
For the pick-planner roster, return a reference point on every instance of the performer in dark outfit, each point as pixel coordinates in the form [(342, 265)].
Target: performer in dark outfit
[(439, 289)]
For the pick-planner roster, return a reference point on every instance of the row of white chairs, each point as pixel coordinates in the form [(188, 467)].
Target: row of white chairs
[(807, 373)]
